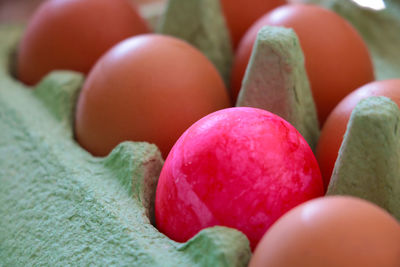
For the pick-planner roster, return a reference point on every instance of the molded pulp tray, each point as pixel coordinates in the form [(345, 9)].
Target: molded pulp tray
[(61, 206)]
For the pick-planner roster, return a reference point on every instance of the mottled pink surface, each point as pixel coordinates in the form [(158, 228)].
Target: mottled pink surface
[(238, 167)]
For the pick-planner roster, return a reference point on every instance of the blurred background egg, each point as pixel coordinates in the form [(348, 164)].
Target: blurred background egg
[(334, 231), (337, 60), (73, 35), (240, 15)]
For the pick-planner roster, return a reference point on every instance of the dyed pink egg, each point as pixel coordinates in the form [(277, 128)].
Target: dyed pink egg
[(237, 167)]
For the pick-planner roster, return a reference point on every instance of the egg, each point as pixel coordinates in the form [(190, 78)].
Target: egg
[(147, 88), (73, 35), (240, 15), (238, 167), (337, 60), (337, 231)]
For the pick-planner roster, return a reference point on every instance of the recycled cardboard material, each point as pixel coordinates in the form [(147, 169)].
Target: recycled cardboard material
[(202, 24), (276, 80), (59, 205), (368, 165)]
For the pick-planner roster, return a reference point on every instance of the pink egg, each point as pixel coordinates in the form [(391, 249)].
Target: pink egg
[(237, 167)]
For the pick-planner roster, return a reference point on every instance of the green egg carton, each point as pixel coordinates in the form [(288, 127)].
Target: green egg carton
[(60, 206), (368, 164)]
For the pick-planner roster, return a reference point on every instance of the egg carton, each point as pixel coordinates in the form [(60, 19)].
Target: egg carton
[(59, 205)]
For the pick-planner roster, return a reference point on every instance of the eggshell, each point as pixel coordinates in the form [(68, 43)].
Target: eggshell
[(147, 88), (334, 231), (73, 35), (238, 167), (336, 58)]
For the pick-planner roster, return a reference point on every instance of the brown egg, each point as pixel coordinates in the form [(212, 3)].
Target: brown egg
[(73, 35), (147, 88), (331, 232)]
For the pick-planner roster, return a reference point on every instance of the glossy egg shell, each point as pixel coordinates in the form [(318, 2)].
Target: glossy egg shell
[(147, 88), (337, 60), (334, 231), (238, 167)]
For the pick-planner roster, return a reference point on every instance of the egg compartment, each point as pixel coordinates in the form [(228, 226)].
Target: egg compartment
[(60, 205), (368, 162)]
